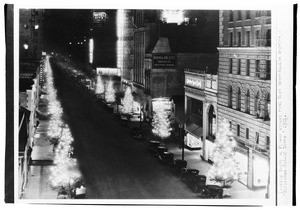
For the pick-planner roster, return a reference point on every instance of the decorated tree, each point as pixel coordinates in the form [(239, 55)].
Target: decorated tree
[(160, 122), (127, 101), (225, 168), (99, 85), (110, 93)]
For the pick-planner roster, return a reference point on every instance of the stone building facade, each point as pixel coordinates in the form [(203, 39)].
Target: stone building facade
[(244, 89)]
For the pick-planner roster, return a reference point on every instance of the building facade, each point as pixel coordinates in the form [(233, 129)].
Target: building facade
[(200, 111), (244, 89)]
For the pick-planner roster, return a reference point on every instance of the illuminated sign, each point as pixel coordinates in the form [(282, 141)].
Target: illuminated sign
[(91, 50), (108, 71), (99, 18), (164, 60), (197, 82), (173, 16)]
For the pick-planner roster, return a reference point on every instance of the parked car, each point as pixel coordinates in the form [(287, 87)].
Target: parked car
[(188, 175), (177, 166), (160, 151), (198, 183), (153, 147), (211, 191), (167, 158)]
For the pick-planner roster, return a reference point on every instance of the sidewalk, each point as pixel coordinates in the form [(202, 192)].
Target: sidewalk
[(38, 186), (237, 190)]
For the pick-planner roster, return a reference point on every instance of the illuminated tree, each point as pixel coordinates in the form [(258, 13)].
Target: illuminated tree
[(161, 123), (110, 93), (225, 168), (99, 85), (127, 101)]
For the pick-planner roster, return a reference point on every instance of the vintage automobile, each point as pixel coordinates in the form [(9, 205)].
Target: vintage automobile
[(167, 158), (187, 175), (211, 191), (153, 147), (160, 151), (178, 166), (198, 183)]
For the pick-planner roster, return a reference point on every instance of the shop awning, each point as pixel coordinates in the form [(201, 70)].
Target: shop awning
[(195, 130)]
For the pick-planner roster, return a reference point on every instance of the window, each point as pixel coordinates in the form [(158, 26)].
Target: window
[(230, 15), (230, 125), (267, 142), (248, 14), (238, 66), (247, 38), (238, 100), (257, 37), (257, 105), (230, 65), (267, 107), (238, 130), (230, 39), (230, 97), (247, 102), (258, 13), (256, 137), (268, 69), (239, 15), (239, 38), (247, 133), (257, 68), (196, 112), (268, 38), (248, 67)]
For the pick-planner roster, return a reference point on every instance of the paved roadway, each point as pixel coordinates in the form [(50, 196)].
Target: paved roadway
[(113, 165)]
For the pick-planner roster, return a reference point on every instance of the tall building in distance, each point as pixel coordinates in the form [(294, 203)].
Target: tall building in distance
[(244, 89)]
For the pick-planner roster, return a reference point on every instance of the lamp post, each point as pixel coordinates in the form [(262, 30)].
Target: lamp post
[(182, 140)]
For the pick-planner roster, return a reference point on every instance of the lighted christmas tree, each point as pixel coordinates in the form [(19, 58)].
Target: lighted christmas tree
[(110, 93), (161, 123), (99, 85), (225, 167), (127, 101)]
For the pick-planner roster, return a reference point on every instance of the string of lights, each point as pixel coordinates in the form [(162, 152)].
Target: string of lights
[(65, 171)]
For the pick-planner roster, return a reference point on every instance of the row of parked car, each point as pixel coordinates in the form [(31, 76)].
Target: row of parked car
[(189, 176)]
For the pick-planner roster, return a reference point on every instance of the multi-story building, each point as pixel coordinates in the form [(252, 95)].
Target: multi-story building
[(30, 79), (244, 89), (201, 108), (165, 43)]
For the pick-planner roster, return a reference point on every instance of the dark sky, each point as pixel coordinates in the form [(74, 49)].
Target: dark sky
[(61, 25)]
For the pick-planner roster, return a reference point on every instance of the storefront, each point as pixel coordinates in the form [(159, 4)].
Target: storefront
[(241, 157), (260, 171)]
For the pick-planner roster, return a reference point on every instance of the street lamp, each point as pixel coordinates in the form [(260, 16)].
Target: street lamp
[(182, 139)]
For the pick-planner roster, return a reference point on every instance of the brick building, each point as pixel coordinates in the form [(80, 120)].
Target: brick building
[(244, 88)]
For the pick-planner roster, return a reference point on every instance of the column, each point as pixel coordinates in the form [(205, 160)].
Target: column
[(250, 169), (205, 126)]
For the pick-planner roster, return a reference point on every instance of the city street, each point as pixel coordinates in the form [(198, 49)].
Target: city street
[(113, 165)]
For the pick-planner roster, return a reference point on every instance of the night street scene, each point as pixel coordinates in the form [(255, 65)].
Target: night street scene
[(144, 104)]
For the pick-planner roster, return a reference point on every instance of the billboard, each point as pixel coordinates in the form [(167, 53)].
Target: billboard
[(164, 60)]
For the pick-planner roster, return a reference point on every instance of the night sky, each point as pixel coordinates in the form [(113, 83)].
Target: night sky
[(61, 25)]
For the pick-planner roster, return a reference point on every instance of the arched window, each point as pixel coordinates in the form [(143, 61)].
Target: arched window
[(238, 99), (257, 104), (229, 96), (247, 102), (267, 107)]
